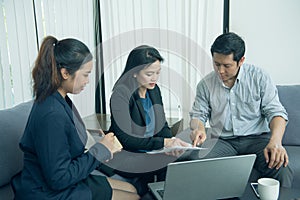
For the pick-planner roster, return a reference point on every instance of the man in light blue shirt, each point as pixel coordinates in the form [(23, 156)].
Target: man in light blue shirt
[(241, 103)]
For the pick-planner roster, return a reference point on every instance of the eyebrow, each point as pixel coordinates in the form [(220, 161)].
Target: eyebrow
[(222, 63), (87, 71), (152, 70)]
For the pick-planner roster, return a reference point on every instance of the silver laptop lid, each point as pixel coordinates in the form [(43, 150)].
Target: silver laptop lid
[(207, 179)]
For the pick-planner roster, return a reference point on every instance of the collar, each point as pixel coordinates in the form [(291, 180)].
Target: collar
[(241, 73), (67, 103)]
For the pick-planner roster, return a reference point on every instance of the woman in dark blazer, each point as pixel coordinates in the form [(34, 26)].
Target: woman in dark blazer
[(137, 113), (131, 132), (56, 163)]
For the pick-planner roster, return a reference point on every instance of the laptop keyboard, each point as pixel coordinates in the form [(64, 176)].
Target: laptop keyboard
[(161, 193)]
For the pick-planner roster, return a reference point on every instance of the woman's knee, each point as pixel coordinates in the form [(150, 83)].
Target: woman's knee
[(120, 194), (121, 185)]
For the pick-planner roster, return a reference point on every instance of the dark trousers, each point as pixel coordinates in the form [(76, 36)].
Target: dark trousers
[(254, 144)]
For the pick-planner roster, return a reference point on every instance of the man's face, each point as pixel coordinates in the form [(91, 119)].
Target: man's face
[(226, 67)]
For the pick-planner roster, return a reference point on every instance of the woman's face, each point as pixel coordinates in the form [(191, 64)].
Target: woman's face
[(76, 83), (148, 76)]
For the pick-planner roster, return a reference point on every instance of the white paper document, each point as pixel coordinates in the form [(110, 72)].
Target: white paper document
[(170, 149)]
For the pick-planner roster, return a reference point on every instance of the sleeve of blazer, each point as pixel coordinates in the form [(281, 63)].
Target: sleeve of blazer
[(59, 150), (122, 123)]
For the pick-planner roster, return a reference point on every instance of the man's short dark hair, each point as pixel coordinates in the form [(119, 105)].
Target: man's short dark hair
[(227, 44)]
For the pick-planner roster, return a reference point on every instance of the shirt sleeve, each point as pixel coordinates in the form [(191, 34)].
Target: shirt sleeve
[(201, 108), (270, 104)]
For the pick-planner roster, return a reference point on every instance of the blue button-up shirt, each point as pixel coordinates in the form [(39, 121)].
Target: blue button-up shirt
[(245, 109)]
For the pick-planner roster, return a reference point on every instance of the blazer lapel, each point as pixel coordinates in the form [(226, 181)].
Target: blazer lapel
[(65, 104), (159, 114), (74, 116), (141, 109)]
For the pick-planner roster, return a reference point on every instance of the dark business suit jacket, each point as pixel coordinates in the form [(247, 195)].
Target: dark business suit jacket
[(128, 119), (55, 165)]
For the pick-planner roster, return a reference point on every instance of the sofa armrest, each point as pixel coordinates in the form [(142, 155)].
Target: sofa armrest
[(289, 96)]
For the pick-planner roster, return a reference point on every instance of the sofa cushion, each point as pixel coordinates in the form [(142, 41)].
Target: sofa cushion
[(6, 192), (294, 163), (289, 96), (12, 123)]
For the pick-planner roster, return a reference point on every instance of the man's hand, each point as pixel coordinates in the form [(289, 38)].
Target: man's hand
[(276, 155), (198, 137), (198, 134)]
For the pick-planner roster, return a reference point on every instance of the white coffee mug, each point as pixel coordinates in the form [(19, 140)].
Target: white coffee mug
[(268, 188)]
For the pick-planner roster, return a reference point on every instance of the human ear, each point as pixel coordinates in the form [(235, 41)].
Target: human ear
[(64, 73), (241, 61)]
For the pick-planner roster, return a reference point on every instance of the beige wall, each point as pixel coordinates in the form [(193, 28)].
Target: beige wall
[(271, 31)]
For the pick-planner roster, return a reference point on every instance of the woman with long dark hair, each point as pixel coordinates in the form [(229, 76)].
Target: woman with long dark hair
[(56, 163), (137, 113)]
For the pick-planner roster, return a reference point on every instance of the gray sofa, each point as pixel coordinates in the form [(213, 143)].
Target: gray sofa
[(289, 96), (13, 121), (12, 125)]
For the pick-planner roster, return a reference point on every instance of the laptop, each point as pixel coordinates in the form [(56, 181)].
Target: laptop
[(208, 179)]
